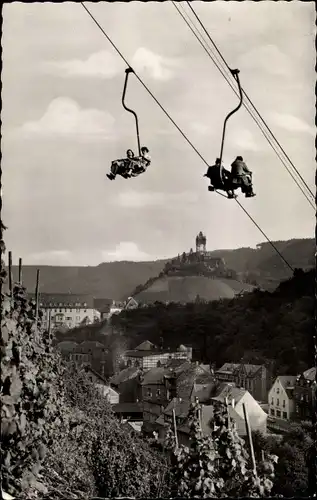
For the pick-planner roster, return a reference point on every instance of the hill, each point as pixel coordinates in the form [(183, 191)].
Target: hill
[(258, 327), (187, 288), (117, 279)]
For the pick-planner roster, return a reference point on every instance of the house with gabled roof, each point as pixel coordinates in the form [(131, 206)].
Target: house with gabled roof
[(281, 397), (305, 394), (127, 383), (254, 378), (185, 381), (102, 385), (235, 397)]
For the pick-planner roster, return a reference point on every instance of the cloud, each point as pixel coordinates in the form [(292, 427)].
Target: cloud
[(101, 64), (126, 250), (134, 199), (292, 123), (244, 139), (64, 117), (158, 67), (266, 58), (104, 64)]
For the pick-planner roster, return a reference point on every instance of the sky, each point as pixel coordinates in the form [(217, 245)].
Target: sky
[(63, 123)]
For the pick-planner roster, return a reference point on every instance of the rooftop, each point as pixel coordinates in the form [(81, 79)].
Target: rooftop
[(65, 300), (310, 374)]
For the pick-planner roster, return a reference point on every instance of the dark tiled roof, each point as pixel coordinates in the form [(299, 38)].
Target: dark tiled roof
[(102, 305), (128, 408), (154, 376), (234, 367), (230, 392), (124, 375), (66, 299), (310, 374)]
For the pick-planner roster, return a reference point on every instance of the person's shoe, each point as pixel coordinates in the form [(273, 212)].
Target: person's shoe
[(111, 176), (232, 196), (210, 188)]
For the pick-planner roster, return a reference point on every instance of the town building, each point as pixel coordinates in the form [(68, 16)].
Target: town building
[(127, 383), (102, 385), (254, 378), (147, 355), (103, 306), (90, 353), (179, 378), (66, 310), (281, 398), (305, 394), (225, 392)]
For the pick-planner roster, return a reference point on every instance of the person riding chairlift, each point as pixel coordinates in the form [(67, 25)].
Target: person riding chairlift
[(241, 176), (217, 182), (121, 167), (139, 164), (131, 166)]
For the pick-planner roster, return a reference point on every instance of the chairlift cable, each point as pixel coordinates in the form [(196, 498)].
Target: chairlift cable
[(249, 100), (148, 90), (145, 86), (248, 110)]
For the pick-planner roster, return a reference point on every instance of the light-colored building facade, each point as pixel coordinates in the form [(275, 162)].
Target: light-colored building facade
[(147, 355), (281, 397), (65, 310)]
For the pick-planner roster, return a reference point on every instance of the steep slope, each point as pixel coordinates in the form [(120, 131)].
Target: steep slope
[(187, 288)]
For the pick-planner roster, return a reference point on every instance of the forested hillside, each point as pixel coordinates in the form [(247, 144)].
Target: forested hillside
[(117, 279), (276, 328)]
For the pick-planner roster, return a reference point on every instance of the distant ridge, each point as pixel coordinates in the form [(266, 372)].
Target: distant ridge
[(116, 280)]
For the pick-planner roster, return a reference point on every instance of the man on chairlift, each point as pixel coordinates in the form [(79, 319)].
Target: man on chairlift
[(121, 167), (241, 176), (131, 166), (217, 182)]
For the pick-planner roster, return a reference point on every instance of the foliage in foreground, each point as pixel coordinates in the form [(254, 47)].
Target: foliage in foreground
[(218, 464), (31, 404), (293, 469)]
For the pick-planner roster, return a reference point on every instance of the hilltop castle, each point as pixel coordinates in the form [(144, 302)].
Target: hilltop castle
[(200, 262)]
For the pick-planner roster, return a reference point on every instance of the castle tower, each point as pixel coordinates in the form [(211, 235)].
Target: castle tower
[(201, 241)]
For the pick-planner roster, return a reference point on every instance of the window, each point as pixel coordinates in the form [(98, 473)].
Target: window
[(149, 393), (77, 318), (283, 403), (60, 310), (77, 310), (272, 412), (277, 402), (278, 413), (272, 402), (158, 392), (285, 415), (278, 390)]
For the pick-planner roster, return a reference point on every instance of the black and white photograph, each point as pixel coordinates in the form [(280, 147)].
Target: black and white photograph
[(158, 249)]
